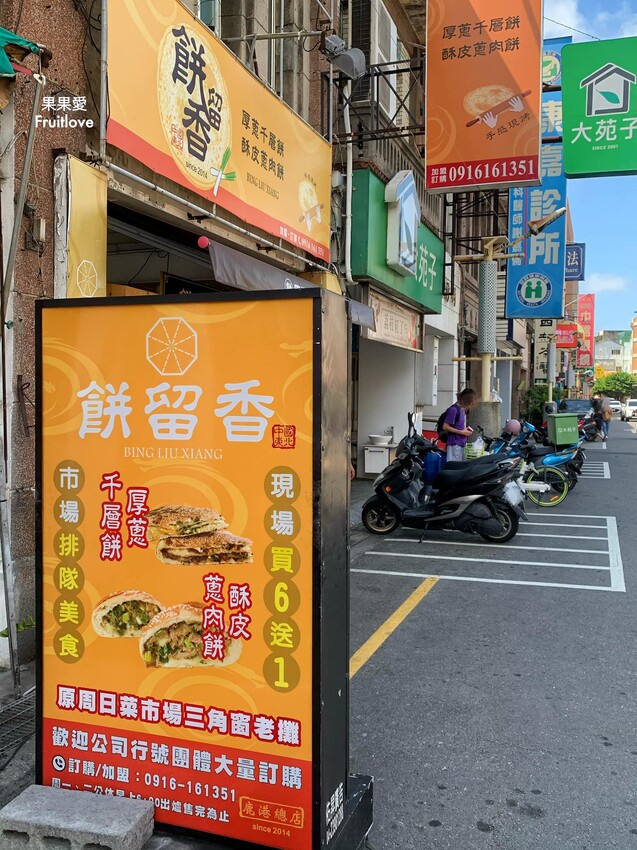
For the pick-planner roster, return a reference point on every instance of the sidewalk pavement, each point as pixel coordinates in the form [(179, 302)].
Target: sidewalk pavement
[(17, 716)]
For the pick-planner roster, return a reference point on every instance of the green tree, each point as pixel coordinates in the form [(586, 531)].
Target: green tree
[(534, 400), (619, 385)]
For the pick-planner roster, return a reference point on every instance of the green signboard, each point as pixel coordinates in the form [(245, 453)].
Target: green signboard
[(369, 248), (599, 86)]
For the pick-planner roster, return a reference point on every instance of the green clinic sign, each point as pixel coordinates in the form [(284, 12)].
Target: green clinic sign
[(599, 89), (369, 247)]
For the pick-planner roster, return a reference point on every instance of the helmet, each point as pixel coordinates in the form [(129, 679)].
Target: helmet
[(512, 426)]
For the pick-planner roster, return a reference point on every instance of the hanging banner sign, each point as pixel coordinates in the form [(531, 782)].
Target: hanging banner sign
[(575, 258), (599, 81), (86, 269), (185, 106), (535, 276), (483, 93), (566, 335), (180, 654), (586, 332), (544, 333)]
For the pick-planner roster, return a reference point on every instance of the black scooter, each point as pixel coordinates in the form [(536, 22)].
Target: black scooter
[(480, 496)]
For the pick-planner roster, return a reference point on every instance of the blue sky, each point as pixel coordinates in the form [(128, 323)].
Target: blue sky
[(603, 209)]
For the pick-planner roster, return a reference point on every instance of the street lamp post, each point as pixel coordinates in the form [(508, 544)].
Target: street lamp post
[(495, 248)]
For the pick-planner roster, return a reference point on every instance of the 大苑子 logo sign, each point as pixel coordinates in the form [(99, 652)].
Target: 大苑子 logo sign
[(608, 90), (534, 290), (194, 108)]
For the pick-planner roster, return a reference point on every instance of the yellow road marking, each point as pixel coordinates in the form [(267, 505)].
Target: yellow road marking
[(362, 655)]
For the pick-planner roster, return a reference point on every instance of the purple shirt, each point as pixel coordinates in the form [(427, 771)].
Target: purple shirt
[(457, 418)]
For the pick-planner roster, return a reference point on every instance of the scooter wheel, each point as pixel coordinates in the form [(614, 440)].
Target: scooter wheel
[(510, 524), (379, 517)]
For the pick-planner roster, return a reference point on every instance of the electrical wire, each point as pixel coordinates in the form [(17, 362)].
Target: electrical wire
[(18, 17), (151, 254), (574, 29)]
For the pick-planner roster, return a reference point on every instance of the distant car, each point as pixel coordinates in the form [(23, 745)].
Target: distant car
[(615, 405), (580, 406), (629, 410)]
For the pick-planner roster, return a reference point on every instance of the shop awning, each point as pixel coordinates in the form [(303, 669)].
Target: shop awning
[(14, 48), (233, 268)]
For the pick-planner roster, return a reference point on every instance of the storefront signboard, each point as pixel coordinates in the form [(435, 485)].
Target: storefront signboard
[(86, 239), (180, 631), (599, 82), (395, 324), (370, 251), (586, 334), (544, 333), (535, 274), (574, 268), (484, 83), (185, 106), (566, 335)]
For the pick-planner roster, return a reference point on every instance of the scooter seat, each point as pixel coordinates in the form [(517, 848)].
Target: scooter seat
[(541, 451), (464, 464)]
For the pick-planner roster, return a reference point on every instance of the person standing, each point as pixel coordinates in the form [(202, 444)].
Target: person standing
[(607, 415), (598, 419), (455, 424)]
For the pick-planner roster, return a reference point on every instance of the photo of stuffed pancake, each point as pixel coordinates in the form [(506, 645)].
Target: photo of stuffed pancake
[(174, 638), (220, 547), (125, 613), (179, 520)]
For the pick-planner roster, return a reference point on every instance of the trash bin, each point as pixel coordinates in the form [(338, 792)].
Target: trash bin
[(562, 428)]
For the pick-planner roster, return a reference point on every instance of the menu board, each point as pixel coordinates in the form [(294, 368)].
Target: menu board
[(175, 571)]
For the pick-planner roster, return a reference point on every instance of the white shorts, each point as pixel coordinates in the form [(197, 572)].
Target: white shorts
[(455, 453)]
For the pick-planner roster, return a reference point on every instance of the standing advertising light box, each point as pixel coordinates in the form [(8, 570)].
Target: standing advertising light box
[(190, 462)]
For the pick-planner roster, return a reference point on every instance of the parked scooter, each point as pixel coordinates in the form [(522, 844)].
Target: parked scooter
[(481, 496), (522, 438)]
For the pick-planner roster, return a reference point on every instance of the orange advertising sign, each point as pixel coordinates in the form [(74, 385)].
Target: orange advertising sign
[(566, 335), (483, 93), (176, 561), (183, 104)]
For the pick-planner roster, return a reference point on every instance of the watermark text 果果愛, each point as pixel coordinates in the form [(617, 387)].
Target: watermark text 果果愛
[(63, 111)]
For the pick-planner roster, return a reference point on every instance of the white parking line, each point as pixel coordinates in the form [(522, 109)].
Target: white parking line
[(596, 469), (608, 534), (616, 566), (495, 561), (560, 524), (561, 536), (485, 580), (504, 545)]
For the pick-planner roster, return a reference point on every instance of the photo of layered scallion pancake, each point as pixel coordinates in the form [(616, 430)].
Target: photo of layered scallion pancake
[(174, 638), (179, 520), (220, 547), (125, 613)]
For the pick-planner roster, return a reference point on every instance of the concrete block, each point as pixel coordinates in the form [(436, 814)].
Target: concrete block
[(43, 818)]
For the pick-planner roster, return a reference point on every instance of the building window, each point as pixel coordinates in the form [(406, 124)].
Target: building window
[(209, 14), (384, 51)]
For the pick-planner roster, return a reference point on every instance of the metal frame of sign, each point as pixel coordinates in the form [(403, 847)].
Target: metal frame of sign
[(330, 562)]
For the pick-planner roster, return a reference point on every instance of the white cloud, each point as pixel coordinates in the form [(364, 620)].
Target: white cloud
[(601, 282), (565, 12)]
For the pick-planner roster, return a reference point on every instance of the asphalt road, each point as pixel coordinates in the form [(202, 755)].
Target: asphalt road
[(501, 712)]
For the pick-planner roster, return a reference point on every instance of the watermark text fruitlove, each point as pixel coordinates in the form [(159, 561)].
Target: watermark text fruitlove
[(62, 111)]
